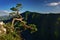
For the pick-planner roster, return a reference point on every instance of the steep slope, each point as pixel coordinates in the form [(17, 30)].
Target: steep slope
[(48, 26)]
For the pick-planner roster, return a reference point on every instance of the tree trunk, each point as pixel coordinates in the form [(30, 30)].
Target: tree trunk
[(19, 14)]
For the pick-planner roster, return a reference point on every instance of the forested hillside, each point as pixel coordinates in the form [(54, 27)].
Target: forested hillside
[(48, 26)]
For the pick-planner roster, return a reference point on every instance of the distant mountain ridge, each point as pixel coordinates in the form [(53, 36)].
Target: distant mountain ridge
[(4, 17)]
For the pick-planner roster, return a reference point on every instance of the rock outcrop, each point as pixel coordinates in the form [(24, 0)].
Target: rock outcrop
[(2, 28)]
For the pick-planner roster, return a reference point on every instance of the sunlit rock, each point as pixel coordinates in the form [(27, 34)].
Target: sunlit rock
[(1, 23), (2, 29)]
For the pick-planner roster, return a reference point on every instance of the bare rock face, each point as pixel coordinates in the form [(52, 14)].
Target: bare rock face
[(2, 29)]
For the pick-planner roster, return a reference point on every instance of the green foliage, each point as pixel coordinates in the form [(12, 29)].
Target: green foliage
[(27, 13), (56, 33), (20, 25), (16, 8), (34, 29), (58, 18), (10, 36), (18, 5)]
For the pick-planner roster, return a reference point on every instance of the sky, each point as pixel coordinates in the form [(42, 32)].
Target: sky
[(40, 6)]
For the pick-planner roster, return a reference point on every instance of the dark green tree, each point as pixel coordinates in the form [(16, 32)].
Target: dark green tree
[(17, 9), (19, 17)]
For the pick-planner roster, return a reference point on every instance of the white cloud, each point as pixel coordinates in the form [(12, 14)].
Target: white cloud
[(4, 12), (54, 4)]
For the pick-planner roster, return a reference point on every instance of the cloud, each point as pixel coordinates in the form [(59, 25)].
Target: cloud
[(54, 4), (4, 12)]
